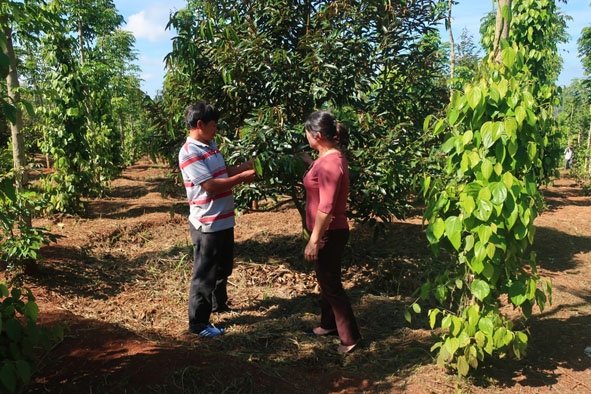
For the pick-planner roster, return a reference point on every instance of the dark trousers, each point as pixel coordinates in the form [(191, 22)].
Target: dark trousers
[(213, 261), (335, 308)]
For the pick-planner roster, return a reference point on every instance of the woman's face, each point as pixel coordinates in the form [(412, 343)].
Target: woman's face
[(312, 141)]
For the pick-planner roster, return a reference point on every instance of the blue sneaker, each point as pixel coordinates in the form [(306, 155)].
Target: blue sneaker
[(211, 332)]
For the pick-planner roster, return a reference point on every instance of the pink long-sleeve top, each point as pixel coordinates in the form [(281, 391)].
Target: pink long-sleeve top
[(327, 190)]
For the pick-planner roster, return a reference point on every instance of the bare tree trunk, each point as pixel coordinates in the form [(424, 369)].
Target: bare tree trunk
[(121, 130), (587, 166), (501, 28), (452, 53), (80, 38), (16, 126), (12, 85)]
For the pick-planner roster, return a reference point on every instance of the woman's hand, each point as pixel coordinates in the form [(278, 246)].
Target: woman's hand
[(311, 251), (305, 157), (321, 224)]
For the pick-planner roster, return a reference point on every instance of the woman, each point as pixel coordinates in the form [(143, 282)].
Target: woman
[(327, 189)]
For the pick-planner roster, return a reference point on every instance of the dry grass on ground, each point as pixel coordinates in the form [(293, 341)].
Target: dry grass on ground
[(119, 278)]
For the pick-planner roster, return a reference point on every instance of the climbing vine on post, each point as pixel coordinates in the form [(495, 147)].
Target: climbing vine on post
[(483, 211), (497, 146)]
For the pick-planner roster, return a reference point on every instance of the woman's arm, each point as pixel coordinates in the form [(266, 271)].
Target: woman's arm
[(320, 225)]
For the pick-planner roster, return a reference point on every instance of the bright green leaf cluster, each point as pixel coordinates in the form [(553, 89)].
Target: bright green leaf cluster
[(473, 335), (497, 135)]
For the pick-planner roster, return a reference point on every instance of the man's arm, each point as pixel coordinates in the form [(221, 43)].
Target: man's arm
[(237, 169), (242, 173)]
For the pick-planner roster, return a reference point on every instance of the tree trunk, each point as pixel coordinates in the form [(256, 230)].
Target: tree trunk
[(452, 53), (587, 165), (18, 142), (80, 32), (501, 28), (121, 130)]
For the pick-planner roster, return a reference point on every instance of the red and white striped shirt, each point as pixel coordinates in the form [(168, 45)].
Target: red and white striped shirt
[(200, 162)]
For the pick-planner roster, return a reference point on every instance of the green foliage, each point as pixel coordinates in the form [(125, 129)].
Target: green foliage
[(77, 64), (483, 211), (6, 161), (274, 146), (267, 64), (473, 335), (164, 138), (20, 338), (539, 25), (467, 60), (19, 242), (85, 151), (581, 119), (65, 129), (574, 119), (584, 46)]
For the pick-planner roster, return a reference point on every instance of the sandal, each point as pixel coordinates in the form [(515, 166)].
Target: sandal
[(344, 349), (321, 332)]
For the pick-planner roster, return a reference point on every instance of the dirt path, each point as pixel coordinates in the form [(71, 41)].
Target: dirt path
[(118, 278)]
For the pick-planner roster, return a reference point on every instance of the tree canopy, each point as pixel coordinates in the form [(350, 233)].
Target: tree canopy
[(267, 64)]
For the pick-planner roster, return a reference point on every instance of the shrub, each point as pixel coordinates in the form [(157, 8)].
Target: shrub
[(20, 337), (19, 241)]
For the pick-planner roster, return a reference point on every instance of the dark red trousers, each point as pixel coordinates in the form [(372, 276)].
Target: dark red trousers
[(335, 307)]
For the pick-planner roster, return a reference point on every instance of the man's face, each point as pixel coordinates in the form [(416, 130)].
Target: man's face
[(208, 130)]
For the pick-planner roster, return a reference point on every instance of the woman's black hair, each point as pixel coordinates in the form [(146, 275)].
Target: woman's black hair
[(200, 111), (325, 123)]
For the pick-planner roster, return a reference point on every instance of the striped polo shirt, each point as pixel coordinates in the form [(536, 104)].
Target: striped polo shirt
[(200, 162)]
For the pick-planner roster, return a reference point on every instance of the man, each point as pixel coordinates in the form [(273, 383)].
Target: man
[(209, 184), (568, 156)]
